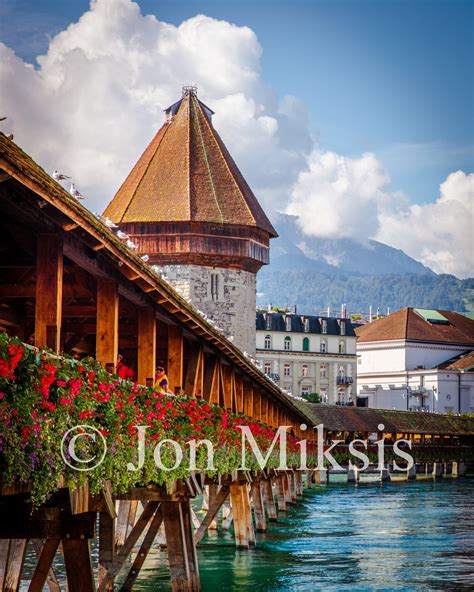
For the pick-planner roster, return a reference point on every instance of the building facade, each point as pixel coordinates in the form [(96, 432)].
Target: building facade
[(186, 205), (309, 354), (417, 360)]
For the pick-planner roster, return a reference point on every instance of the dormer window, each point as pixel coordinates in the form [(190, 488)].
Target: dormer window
[(268, 320), (343, 327), (288, 323), (324, 327), (306, 325)]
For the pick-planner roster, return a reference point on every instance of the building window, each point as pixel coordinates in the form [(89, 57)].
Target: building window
[(306, 325), (305, 390), (341, 396), (267, 344), (268, 320), (286, 370), (287, 343), (304, 370), (267, 367), (323, 372), (305, 344), (343, 327), (324, 326), (323, 395), (323, 347), (342, 347), (215, 286), (288, 323)]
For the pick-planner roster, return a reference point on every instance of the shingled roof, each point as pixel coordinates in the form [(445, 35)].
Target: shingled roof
[(360, 419), (415, 325), (187, 174)]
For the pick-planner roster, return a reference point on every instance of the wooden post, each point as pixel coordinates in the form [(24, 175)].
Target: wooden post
[(258, 506), (43, 567), (77, 559), (107, 324), (280, 493), (309, 478), (194, 383), (243, 525), (146, 346), (175, 359), (106, 547), (298, 483), (248, 514), (248, 399), (211, 380), (49, 291), (226, 381), (215, 503), (239, 393), (286, 487), (181, 548), (14, 566), (269, 499)]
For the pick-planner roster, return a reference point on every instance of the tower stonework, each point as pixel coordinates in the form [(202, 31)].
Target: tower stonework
[(188, 207)]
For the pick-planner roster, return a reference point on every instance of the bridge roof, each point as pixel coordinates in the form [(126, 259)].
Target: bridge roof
[(359, 419)]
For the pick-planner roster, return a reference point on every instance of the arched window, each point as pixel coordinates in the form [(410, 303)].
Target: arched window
[(342, 347), (306, 344), (323, 346), (288, 343), (268, 342)]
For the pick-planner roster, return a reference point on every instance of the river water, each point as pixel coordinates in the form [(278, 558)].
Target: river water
[(388, 536)]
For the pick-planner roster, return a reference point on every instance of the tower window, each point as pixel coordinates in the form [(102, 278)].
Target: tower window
[(215, 286), (268, 342), (305, 344), (288, 343)]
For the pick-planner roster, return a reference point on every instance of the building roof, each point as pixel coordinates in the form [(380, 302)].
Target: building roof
[(440, 326), (187, 174), (276, 321), (361, 419), (464, 361)]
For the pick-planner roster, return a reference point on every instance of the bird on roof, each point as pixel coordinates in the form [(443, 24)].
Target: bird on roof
[(75, 193), (122, 235), (109, 223), (59, 176), (131, 244), (145, 258), (10, 137)]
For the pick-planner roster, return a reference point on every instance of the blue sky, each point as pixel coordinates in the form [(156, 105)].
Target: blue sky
[(392, 77)]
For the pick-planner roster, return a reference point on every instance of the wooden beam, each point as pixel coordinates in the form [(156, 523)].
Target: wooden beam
[(227, 383), (239, 392), (269, 500), (248, 399), (258, 507), (77, 559), (16, 558), (43, 567), (215, 504), (211, 379), (175, 359), (106, 548), (193, 385), (146, 346), (107, 323), (49, 285)]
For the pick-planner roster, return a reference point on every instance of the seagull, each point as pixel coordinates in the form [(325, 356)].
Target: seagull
[(10, 137), (75, 193), (59, 176), (145, 258), (2, 118), (131, 244), (109, 223), (122, 235)]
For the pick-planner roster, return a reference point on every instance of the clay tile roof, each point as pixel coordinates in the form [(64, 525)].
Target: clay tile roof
[(410, 325), (187, 174), (464, 361)]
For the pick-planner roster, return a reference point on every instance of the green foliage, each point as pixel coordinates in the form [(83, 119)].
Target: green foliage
[(312, 397)]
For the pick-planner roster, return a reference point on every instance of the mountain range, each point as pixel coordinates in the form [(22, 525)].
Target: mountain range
[(314, 273)]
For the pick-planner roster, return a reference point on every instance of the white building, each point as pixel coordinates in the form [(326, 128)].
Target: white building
[(417, 359), (309, 354)]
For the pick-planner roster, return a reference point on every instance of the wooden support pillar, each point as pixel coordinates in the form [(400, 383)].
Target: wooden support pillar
[(49, 291), (14, 564), (243, 525), (309, 478), (216, 500), (107, 324), (146, 346), (181, 547), (175, 359), (292, 485), (227, 386), (77, 559), (239, 393), (287, 486), (194, 383), (43, 567), (256, 412), (298, 483), (211, 380), (269, 499), (248, 399), (258, 506), (280, 493), (106, 548)]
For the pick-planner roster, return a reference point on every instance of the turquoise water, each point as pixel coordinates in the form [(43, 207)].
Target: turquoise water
[(390, 536)]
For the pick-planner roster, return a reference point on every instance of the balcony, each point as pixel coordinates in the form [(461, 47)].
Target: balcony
[(344, 380)]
